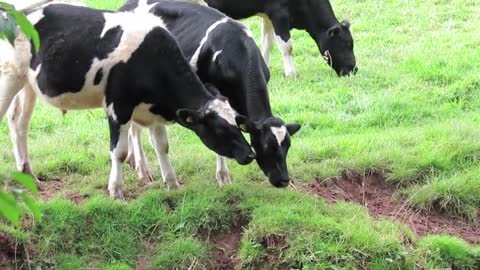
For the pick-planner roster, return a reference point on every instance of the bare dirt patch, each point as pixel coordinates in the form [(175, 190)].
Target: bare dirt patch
[(226, 246), (11, 253), (51, 187), (373, 191), (143, 262)]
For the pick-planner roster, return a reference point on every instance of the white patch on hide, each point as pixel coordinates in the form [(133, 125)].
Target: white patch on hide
[(215, 55), (194, 59)]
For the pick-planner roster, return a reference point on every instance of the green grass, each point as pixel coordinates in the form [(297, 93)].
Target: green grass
[(411, 112)]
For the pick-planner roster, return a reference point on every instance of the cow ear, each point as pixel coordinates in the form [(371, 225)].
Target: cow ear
[(244, 124), (187, 118), (333, 31), (293, 128), (345, 24)]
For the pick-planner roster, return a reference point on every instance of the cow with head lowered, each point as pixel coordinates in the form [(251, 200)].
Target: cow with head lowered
[(131, 65), (225, 55), (333, 37)]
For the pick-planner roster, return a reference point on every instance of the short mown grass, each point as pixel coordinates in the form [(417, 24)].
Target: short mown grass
[(411, 112)]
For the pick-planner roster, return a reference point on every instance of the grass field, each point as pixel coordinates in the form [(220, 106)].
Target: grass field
[(411, 114)]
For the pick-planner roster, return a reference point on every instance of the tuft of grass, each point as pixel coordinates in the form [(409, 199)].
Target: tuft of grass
[(301, 231), (457, 195), (178, 253), (447, 252)]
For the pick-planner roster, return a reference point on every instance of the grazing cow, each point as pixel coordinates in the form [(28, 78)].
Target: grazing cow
[(333, 38), (131, 65), (224, 54)]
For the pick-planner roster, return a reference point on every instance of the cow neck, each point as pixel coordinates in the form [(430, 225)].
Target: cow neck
[(322, 23), (257, 103), (190, 93)]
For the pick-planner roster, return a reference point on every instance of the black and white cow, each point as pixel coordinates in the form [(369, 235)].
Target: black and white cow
[(132, 66), (224, 54), (333, 38)]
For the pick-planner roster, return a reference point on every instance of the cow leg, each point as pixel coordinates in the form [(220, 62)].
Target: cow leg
[(19, 116), (268, 38), (9, 88), (223, 175), (159, 141), (136, 156), (284, 41), (118, 154)]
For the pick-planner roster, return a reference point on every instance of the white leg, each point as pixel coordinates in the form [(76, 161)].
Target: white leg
[(19, 116), (159, 141), (286, 48), (8, 90), (223, 175), (14, 65), (268, 37), (136, 156), (118, 155)]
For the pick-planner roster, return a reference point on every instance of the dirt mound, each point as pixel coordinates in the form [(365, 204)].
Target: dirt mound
[(373, 191)]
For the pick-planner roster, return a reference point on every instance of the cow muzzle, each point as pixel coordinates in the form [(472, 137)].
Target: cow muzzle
[(347, 71), (246, 159)]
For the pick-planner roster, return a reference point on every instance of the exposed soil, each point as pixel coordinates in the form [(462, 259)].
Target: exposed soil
[(143, 262), (373, 191), (9, 250), (49, 188), (226, 246)]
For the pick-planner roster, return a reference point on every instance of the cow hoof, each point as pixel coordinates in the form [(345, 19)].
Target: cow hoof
[(173, 185), (291, 74), (146, 177), (223, 178), (117, 194), (39, 184)]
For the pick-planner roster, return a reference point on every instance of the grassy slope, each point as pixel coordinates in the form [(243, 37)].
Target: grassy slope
[(412, 112)]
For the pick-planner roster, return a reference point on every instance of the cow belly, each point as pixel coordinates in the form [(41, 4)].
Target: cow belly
[(144, 117), (87, 98)]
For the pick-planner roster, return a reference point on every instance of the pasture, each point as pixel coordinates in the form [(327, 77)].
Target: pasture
[(386, 165)]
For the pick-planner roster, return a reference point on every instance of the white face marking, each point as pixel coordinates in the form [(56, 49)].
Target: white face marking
[(215, 55), (194, 59), (280, 133), (224, 110)]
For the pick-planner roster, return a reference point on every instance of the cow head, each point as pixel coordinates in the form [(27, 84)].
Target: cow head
[(217, 126), (271, 141), (336, 45)]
